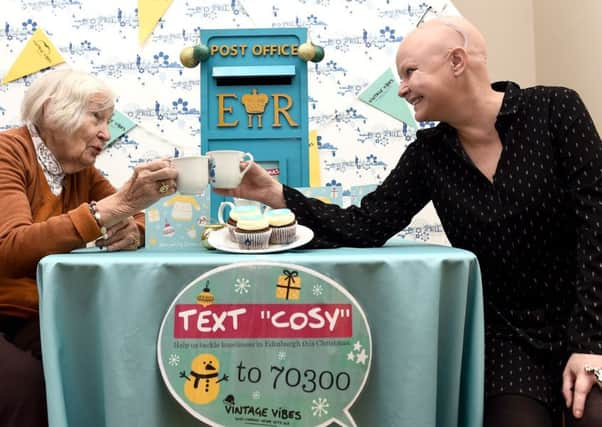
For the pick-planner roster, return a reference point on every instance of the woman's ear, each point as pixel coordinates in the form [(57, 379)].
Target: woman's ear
[(458, 60)]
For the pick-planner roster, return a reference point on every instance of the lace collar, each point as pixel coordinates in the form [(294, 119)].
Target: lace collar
[(52, 169)]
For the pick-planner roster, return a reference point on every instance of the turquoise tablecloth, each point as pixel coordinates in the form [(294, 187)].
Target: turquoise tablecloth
[(101, 312)]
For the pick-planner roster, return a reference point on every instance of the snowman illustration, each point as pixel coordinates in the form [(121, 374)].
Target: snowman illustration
[(202, 383)]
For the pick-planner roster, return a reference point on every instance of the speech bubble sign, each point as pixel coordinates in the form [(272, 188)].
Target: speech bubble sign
[(267, 344)]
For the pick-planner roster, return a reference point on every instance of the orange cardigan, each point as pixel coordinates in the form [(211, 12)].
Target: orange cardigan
[(35, 223)]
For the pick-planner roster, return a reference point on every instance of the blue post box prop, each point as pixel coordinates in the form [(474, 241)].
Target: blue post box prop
[(254, 99)]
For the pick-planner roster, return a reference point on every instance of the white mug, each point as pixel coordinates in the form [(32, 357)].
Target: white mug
[(193, 174), (224, 167)]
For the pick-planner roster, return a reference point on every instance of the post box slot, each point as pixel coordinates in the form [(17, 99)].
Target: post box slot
[(254, 75)]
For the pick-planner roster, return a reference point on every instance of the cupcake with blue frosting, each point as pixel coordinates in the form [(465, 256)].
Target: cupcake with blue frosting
[(235, 213), (253, 232), (283, 224)]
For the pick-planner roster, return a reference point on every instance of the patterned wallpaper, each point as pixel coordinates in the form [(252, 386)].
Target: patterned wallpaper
[(357, 144)]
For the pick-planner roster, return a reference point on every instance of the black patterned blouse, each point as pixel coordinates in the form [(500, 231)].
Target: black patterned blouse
[(535, 230)]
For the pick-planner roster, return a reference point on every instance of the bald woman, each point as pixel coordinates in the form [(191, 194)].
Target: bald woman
[(516, 177)]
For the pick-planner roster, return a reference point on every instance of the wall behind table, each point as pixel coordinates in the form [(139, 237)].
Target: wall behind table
[(357, 144), (567, 36), (508, 29), (552, 42)]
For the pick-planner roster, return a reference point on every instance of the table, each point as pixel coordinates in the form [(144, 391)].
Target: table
[(101, 312)]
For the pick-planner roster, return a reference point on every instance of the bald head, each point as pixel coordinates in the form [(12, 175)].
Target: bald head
[(473, 40), (444, 33), (442, 64), (440, 35)]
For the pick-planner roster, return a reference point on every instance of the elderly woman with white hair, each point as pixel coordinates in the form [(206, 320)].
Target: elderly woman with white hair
[(53, 201)]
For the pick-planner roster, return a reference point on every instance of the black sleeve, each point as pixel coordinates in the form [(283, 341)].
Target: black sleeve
[(382, 214), (580, 152)]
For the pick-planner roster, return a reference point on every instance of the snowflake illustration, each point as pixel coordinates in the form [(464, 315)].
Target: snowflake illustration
[(256, 395), (317, 289), (281, 355), (174, 360), (242, 285), (319, 407)]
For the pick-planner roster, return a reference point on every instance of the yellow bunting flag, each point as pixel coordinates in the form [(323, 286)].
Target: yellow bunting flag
[(38, 53), (149, 13), (314, 160)]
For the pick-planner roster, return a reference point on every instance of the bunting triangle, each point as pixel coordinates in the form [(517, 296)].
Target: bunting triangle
[(149, 13), (38, 53), (119, 125), (382, 94)]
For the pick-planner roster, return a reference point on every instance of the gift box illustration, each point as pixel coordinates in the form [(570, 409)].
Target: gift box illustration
[(289, 285)]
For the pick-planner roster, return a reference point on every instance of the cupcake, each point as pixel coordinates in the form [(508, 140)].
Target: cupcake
[(235, 213), (252, 232), (283, 224)]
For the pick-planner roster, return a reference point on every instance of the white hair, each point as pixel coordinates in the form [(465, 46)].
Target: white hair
[(59, 99)]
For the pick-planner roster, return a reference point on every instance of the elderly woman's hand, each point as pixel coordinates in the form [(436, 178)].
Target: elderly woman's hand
[(124, 235), (149, 182)]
